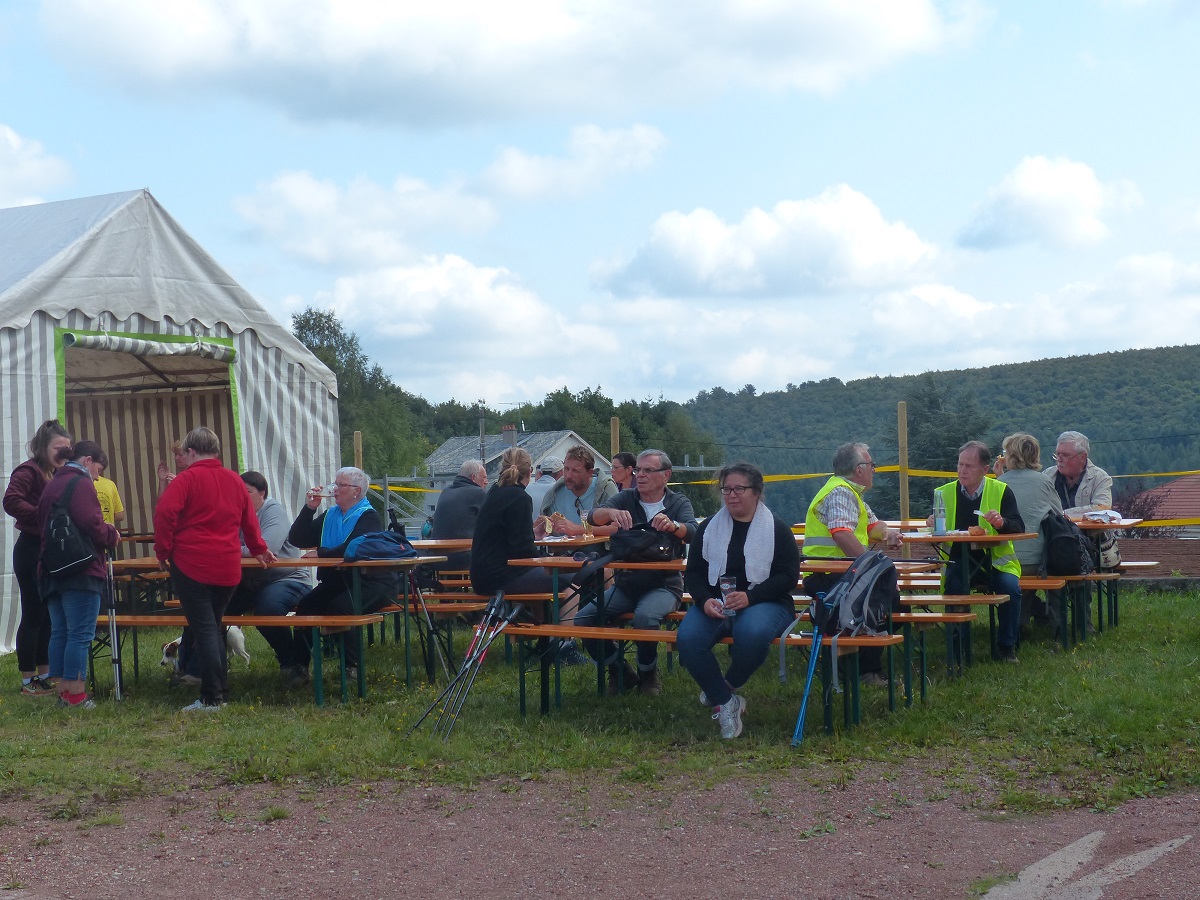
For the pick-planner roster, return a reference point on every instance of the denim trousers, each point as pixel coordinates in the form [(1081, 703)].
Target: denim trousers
[(204, 605), (752, 630), (648, 612), (72, 629), (1008, 614)]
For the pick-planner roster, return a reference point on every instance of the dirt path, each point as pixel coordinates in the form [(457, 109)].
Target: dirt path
[(894, 837)]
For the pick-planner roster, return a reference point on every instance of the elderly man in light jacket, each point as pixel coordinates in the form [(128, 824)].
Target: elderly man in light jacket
[(1082, 486)]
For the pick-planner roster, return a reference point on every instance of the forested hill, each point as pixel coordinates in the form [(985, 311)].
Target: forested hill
[(1137, 407)]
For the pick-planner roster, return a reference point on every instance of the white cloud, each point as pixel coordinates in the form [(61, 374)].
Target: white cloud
[(1056, 202), (471, 60), (363, 223), (835, 242), (592, 155), (26, 168)]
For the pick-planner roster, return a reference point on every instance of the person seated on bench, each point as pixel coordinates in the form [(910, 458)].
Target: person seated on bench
[(650, 596), (745, 542), (506, 530), (840, 524), (457, 510), (987, 502), (271, 592), (1020, 467), (350, 515)]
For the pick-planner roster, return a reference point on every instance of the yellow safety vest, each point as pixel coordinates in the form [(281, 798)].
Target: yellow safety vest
[(818, 541), (1004, 556)]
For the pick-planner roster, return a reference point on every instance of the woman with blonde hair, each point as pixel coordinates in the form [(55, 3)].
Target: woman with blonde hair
[(1035, 496), (505, 530)]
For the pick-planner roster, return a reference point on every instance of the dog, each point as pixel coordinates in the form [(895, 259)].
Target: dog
[(235, 645)]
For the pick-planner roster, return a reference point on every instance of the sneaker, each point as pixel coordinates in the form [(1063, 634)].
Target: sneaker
[(650, 682), (201, 706), (352, 673), (297, 676), (873, 679), (704, 701), (37, 686), (569, 654), (85, 703), (729, 717), (1008, 654)]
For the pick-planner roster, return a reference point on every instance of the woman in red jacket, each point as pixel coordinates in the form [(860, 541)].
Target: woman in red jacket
[(74, 600), (25, 487), (201, 521)]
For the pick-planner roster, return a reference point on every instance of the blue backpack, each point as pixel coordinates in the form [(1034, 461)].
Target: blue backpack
[(379, 545)]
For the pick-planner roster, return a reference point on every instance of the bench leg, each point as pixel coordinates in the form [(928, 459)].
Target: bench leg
[(908, 663), (318, 661), (521, 676), (826, 686)]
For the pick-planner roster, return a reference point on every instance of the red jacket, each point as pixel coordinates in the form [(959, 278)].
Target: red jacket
[(25, 487), (200, 522)]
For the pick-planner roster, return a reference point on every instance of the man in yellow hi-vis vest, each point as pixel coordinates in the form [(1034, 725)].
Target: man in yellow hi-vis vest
[(977, 500)]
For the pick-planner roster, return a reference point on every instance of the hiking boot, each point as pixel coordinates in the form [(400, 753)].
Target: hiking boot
[(729, 717), (37, 686), (351, 673), (650, 682), (297, 676), (569, 654), (873, 679), (1008, 654), (615, 673)]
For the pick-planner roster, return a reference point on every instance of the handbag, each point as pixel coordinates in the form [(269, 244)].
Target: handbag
[(641, 543)]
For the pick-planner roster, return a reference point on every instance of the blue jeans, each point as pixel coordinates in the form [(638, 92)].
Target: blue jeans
[(648, 612), (72, 629), (752, 629), (1008, 614), (276, 598)]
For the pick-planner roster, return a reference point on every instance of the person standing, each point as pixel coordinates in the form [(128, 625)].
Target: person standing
[(48, 450), (747, 543), (110, 498), (73, 600), (201, 520)]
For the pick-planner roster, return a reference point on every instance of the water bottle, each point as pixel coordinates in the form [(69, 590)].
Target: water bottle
[(939, 513)]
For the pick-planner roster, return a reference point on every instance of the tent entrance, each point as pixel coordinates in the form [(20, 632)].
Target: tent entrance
[(137, 394)]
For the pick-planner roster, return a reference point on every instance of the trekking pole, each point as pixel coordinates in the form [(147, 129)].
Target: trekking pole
[(814, 654), (495, 625), (114, 639), (489, 615), (462, 697), (429, 624)]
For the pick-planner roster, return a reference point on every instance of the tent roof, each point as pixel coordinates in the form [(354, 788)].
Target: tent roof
[(123, 254)]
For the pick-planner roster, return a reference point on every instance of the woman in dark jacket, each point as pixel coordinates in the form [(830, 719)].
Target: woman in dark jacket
[(73, 600), (746, 544), (350, 516), (505, 530), (25, 487)]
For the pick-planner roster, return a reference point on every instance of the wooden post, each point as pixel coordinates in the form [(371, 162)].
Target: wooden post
[(902, 446), (614, 436), (358, 450)]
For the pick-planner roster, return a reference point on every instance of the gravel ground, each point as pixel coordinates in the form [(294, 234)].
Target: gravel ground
[(903, 836)]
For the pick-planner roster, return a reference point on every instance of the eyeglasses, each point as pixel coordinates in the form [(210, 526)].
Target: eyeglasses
[(868, 463), (737, 489), (1065, 457), (342, 484), (646, 470)]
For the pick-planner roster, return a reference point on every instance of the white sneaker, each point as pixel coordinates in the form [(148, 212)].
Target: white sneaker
[(201, 706), (704, 701), (729, 717)]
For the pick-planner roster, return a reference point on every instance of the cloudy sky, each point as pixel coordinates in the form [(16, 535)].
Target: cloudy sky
[(650, 197)]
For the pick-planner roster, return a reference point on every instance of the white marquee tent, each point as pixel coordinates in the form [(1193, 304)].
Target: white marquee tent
[(116, 322)]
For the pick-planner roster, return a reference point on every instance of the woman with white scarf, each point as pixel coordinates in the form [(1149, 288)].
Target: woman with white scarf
[(350, 516), (747, 544)]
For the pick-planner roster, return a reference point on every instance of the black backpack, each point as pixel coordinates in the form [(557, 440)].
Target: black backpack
[(1066, 550), (65, 549)]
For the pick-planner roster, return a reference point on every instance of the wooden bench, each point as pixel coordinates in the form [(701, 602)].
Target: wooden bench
[(341, 624), (847, 651), (958, 638), (921, 622), (1080, 590)]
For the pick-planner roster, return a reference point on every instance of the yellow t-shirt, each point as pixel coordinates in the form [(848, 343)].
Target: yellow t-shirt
[(110, 500)]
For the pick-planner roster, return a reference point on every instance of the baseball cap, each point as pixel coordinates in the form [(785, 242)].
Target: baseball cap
[(550, 465)]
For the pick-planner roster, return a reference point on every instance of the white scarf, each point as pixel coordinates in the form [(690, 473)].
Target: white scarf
[(759, 549)]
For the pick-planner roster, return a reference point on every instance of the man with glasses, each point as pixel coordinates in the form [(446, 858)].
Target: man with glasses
[(650, 596), (1082, 486), (840, 524), (574, 495)]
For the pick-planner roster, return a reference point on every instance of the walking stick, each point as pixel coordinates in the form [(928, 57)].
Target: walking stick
[(814, 654), (114, 639)]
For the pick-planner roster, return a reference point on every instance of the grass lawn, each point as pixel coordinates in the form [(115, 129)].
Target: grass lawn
[(1106, 721)]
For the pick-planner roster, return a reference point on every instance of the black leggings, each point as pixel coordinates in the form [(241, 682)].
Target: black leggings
[(33, 634)]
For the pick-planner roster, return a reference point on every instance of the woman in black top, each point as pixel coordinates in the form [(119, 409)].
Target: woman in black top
[(747, 544), (505, 530)]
